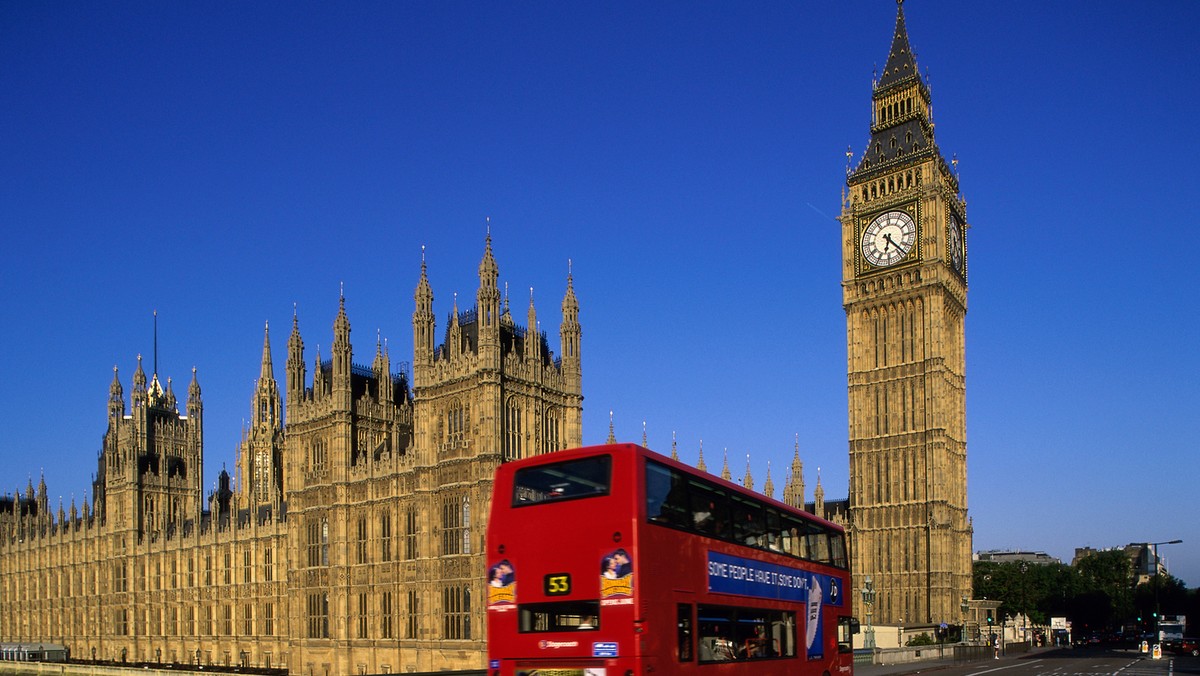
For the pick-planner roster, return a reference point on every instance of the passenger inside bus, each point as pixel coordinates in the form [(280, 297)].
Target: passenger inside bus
[(759, 645), (716, 647)]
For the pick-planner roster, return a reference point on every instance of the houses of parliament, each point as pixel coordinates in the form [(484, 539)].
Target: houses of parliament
[(352, 540)]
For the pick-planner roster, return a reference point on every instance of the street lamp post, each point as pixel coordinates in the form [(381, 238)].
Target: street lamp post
[(868, 597), (1024, 602), (964, 607), (1157, 610)]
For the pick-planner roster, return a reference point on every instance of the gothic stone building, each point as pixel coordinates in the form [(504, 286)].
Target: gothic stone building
[(351, 542), (904, 283)]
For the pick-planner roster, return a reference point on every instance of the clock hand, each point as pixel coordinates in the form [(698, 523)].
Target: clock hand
[(888, 237)]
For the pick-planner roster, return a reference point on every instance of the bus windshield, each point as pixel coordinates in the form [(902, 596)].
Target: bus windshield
[(584, 478)]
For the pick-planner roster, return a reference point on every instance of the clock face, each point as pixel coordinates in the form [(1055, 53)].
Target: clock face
[(889, 238), (954, 242)]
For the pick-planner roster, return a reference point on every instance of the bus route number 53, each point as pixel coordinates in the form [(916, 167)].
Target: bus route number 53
[(557, 584)]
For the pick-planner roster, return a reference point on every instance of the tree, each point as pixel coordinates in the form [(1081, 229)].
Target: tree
[(1109, 573), (1170, 598), (1096, 595), (1040, 591)]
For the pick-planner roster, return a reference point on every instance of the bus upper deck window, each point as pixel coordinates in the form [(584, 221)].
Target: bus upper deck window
[(582, 478)]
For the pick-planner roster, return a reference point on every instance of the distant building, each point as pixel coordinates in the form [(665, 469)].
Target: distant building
[(1141, 557), (1001, 556)]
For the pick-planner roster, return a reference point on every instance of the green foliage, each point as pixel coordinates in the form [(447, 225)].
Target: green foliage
[(920, 639), (1096, 595), (1040, 592)]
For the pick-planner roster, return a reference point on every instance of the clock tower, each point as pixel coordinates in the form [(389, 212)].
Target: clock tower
[(904, 285)]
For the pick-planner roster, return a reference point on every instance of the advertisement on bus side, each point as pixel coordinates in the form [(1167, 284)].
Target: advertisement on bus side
[(760, 579)]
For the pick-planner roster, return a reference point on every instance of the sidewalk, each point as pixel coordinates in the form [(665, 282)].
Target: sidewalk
[(935, 664)]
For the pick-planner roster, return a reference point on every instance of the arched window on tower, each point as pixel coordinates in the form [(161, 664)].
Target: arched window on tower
[(513, 430), (550, 435), (324, 542)]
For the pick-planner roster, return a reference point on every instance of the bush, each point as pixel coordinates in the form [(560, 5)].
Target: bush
[(920, 639)]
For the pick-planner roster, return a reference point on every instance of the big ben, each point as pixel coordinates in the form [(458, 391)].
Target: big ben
[(904, 283)]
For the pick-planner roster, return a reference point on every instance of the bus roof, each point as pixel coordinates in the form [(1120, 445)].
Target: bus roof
[(583, 451)]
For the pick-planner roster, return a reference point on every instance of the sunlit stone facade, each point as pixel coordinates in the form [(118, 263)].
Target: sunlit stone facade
[(352, 539), (904, 282)]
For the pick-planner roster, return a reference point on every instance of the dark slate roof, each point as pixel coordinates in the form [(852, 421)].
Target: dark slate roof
[(512, 337), (901, 63), (913, 138)]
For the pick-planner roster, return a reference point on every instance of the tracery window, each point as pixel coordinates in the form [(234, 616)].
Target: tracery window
[(513, 430), (456, 612), (456, 525)]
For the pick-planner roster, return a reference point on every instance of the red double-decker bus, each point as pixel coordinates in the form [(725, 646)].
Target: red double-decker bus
[(616, 561)]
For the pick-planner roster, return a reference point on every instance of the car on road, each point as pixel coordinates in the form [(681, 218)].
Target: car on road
[(1183, 646)]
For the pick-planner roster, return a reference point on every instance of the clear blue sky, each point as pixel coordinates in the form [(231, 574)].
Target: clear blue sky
[(218, 162)]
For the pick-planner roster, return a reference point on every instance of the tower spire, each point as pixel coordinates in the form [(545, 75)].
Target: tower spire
[(423, 323), (268, 369), (901, 63)]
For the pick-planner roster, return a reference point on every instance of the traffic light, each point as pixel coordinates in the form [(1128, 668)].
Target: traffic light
[(990, 618)]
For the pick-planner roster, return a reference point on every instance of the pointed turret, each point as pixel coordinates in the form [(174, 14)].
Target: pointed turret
[(819, 497), (769, 486), (318, 383), (725, 473), (382, 368), (42, 498), (453, 332), (139, 385), (295, 367), (674, 448), (266, 391), (169, 400), (505, 313), (341, 355), (794, 494), (569, 332), (116, 398), (700, 463), (533, 338), (423, 322), (748, 480), (194, 405), (612, 438), (267, 369), (487, 299)]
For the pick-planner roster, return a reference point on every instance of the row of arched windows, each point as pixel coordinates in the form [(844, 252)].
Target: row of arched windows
[(889, 185), (456, 612), (456, 524), (515, 429), (895, 109)]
